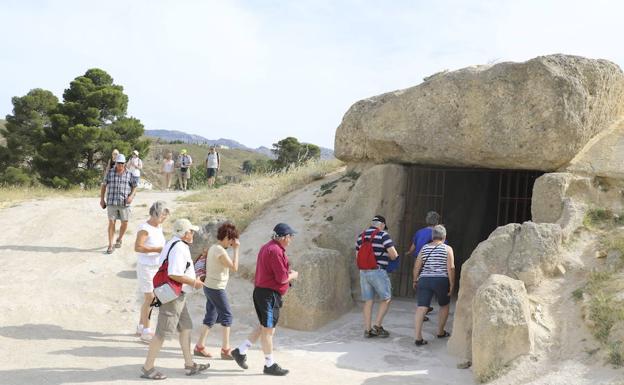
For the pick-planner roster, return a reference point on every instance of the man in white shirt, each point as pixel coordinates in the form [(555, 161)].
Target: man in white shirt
[(184, 163), (213, 163), (174, 315)]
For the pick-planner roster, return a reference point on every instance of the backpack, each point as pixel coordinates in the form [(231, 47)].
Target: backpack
[(165, 288), (200, 267), (366, 255)]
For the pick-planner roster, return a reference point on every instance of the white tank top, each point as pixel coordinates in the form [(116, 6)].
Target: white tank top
[(155, 238)]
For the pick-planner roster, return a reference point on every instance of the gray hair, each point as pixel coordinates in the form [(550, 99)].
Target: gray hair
[(432, 218), (438, 233), (158, 208)]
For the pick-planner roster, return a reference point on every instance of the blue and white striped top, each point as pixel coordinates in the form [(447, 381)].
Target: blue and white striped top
[(434, 259), (381, 244)]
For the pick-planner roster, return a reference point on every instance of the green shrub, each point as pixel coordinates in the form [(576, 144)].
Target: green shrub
[(14, 176)]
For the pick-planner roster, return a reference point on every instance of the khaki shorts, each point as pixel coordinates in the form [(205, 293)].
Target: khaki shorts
[(121, 213), (186, 174), (173, 316), (145, 276)]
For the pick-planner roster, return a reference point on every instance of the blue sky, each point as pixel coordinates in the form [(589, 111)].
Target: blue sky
[(258, 71)]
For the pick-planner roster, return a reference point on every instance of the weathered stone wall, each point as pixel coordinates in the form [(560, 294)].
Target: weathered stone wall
[(533, 115), (528, 252), (380, 189)]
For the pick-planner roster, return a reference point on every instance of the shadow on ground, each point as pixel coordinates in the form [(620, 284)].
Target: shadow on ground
[(49, 332), (49, 249)]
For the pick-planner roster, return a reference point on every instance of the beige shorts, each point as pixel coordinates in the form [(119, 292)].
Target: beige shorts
[(186, 175), (121, 213), (173, 316), (145, 276)]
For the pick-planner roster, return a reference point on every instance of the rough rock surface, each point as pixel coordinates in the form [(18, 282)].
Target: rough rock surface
[(501, 327), (380, 189), (527, 252), (533, 115), (603, 156)]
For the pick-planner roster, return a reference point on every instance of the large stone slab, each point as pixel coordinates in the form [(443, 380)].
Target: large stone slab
[(533, 115), (528, 252), (501, 327)]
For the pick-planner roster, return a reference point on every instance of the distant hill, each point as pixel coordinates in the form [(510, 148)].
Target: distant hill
[(172, 135)]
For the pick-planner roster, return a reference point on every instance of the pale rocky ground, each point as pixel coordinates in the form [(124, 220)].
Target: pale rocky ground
[(69, 312)]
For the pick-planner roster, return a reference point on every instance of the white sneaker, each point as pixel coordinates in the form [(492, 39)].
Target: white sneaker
[(139, 330)]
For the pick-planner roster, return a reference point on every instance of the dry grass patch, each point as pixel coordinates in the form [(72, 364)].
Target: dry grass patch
[(10, 195), (241, 202)]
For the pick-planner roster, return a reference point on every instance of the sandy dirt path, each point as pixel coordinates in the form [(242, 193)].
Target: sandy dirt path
[(69, 312)]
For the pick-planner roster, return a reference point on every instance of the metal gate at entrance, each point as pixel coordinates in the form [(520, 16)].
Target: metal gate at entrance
[(471, 203)]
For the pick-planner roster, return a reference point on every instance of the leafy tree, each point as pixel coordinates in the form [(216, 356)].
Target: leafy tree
[(15, 176), (24, 130), (84, 129), (290, 151), (247, 167)]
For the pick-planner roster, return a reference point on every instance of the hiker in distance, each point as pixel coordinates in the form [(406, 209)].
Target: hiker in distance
[(273, 278), (213, 163), (374, 250), (119, 187)]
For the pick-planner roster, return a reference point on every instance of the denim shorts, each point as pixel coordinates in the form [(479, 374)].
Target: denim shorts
[(375, 281), (427, 286), (217, 308)]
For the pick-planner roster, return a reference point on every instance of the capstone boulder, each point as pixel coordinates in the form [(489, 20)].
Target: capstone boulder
[(533, 115)]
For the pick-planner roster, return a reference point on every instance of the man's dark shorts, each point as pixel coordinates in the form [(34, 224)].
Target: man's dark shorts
[(267, 303), (212, 172), (427, 286)]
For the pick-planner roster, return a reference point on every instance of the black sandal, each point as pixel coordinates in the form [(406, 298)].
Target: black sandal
[(152, 374), (420, 342), (425, 319), (195, 369), (446, 334)]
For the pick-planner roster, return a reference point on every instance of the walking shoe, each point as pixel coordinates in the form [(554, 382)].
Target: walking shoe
[(146, 337), (241, 359), (275, 370), (370, 333), (381, 332)]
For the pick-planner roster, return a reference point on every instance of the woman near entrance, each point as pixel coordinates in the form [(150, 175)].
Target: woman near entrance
[(434, 273)]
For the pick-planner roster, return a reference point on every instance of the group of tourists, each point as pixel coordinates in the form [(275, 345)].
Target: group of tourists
[(210, 272), (434, 274), (182, 166)]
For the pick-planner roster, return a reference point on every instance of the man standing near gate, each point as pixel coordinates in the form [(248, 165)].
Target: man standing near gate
[(374, 249)]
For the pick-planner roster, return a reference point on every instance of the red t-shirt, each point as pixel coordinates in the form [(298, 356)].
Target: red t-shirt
[(272, 268)]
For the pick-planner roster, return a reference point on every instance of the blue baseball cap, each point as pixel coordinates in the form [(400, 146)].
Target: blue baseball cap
[(282, 229)]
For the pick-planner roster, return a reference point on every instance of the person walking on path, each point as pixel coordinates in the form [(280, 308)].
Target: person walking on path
[(167, 170), (148, 245), (174, 315), (184, 162), (273, 277), (375, 280), (120, 188), (424, 235), (111, 162), (135, 165), (434, 273), (213, 163), (218, 267)]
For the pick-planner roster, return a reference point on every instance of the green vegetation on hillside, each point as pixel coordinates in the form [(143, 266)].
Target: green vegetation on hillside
[(241, 202), (602, 290), (2, 125)]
